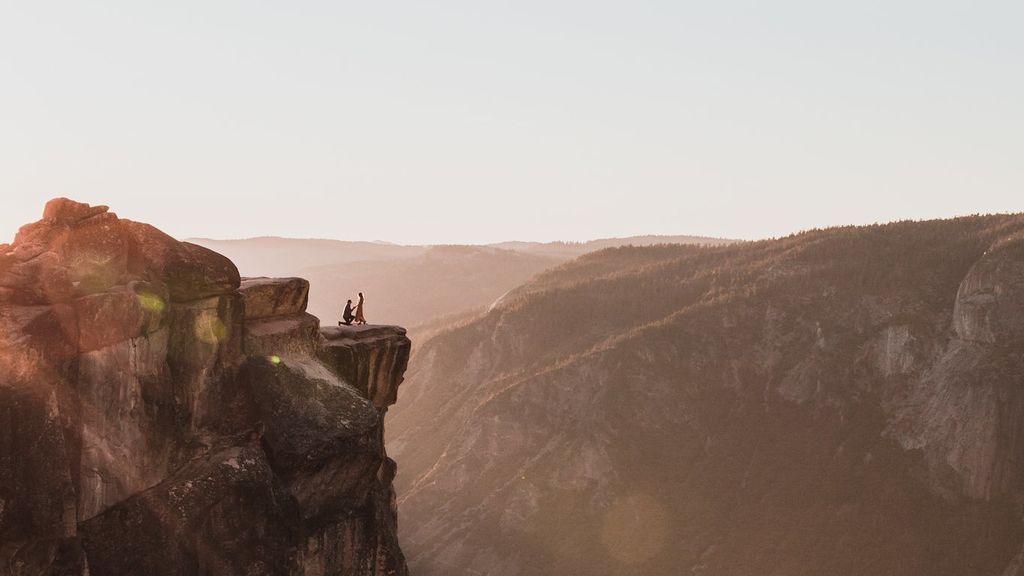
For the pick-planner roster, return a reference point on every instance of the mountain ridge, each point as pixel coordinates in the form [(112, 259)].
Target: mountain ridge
[(849, 354), (409, 285)]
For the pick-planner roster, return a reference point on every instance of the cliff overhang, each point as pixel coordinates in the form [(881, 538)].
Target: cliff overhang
[(161, 415)]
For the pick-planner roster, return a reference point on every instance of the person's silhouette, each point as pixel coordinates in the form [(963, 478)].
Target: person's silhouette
[(360, 319), (347, 316)]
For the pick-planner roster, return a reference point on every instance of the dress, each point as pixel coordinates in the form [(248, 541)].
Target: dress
[(360, 319)]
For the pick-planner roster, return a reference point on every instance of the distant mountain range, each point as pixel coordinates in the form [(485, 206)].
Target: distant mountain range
[(843, 401), (414, 286)]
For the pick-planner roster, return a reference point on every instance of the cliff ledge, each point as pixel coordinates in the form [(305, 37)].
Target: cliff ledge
[(160, 415)]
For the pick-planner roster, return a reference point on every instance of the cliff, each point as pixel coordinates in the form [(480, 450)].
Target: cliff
[(160, 415), (843, 401)]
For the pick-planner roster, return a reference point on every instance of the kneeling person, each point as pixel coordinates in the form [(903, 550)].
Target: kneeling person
[(347, 315)]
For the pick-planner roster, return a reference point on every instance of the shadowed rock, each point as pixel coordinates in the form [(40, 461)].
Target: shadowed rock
[(320, 432), (990, 301), (190, 272), (295, 334), (371, 358), (219, 514), (159, 418)]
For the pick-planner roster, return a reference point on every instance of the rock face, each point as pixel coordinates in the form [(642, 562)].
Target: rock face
[(160, 415), (372, 359), (845, 402)]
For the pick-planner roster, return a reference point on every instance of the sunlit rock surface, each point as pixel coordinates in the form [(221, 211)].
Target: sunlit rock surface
[(160, 415), (839, 402)]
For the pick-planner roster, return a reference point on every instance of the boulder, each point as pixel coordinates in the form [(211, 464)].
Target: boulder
[(65, 211), (190, 272), (267, 297), (93, 251), (77, 249)]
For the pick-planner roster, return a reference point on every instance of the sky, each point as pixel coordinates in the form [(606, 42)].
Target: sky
[(480, 121)]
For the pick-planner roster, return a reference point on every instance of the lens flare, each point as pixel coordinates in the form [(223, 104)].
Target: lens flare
[(151, 302), (210, 329), (275, 359)]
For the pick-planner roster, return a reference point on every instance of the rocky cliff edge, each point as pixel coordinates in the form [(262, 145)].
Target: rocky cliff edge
[(160, 415)]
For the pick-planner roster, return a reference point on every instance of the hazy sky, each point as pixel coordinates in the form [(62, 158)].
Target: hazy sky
[(474, 121)]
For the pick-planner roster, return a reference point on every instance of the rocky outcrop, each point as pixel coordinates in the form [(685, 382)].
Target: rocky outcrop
[(990, 300), (372, 358), (269, 297), (971, 420), (161, 415)]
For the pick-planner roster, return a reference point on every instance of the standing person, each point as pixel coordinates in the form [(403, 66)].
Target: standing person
[(360, 319), (347, 316)]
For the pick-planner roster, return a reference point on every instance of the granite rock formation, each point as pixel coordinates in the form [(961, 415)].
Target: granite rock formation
[(160, 415), (846, 401)]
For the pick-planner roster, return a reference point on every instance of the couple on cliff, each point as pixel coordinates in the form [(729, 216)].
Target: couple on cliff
[(347, 316)]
